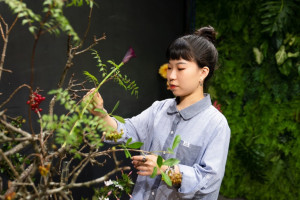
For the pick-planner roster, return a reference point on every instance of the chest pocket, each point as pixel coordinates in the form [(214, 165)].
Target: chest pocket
[(187, 153)]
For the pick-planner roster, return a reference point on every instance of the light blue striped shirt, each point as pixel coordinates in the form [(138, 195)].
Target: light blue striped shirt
[(202, 152)]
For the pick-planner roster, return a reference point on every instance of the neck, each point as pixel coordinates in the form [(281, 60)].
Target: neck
[(186, 101)]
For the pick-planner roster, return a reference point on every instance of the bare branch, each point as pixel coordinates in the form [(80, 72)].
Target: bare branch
[(9, 164), (96, 40), (13, 128), (16, 90)]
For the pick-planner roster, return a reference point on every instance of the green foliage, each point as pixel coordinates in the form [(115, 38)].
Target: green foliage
[(16, 159), (258, 87), (169, 162), (115, 189), (82, 125), (52, 21), (121, 79)]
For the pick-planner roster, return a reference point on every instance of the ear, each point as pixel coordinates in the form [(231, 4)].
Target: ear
[(204, 72)]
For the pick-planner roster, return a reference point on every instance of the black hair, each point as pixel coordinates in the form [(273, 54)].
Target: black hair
[(198, 47)]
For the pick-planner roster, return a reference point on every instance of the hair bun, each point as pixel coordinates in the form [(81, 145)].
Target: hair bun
[(207, 32)]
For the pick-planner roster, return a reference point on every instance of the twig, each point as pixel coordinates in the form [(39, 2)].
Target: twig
[(96, 40), (87, 183), (5, 41), (13, 128), (16, 90), (24, 174), (17, 148), (9, 164)]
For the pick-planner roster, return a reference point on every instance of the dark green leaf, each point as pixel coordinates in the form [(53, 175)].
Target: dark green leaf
[(127, 154), (135, 145), (128, 141), (154, 172), (115, 107), (166, 178), (176, 141), (159, 161), (171, 162), (119, 118)]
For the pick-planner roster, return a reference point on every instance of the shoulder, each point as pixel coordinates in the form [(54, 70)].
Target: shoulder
[(216, 118), (163, 104)]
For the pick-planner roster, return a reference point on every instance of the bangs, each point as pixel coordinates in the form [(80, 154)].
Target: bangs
[(180, 48)]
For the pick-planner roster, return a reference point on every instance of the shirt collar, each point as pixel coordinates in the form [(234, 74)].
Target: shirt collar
[(192, 110)]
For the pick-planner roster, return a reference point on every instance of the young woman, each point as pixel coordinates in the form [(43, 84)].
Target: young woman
[(203, 129)]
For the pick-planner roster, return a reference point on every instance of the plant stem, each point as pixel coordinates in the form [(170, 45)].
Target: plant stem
[(91, 97)]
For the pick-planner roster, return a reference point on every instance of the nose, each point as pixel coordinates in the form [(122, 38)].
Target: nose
[(171, 74)]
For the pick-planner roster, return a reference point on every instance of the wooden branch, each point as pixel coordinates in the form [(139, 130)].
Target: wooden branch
[(5, 41), (17, 148), (13, 128), (14, 92), (9, 164), (88, 183), (96, 40), (24, 175)]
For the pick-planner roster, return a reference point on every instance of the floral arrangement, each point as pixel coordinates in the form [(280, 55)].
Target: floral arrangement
[(65, 144)]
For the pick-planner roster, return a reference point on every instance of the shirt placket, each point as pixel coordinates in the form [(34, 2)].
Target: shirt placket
[(171, 136), (165, 155)]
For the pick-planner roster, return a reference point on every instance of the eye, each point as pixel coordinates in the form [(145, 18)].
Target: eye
[(180, 69)]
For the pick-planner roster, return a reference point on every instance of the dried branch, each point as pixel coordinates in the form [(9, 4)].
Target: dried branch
[(96, 40), (88, 183), (17, 148), (5, 41), (16, 90), (9, 164), (13, 128)]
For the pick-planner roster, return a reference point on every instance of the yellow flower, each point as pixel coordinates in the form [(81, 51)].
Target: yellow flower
[(44, 169), (163, 70)]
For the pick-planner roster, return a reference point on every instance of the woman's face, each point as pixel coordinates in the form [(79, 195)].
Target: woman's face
[(184, 77)]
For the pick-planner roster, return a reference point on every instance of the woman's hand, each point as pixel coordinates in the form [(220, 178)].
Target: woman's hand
[(146, 167), (97, 103)]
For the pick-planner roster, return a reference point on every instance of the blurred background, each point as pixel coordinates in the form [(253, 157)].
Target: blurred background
[(256, 86)]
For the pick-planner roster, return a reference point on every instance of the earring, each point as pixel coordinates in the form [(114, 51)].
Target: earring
[(201, 83)]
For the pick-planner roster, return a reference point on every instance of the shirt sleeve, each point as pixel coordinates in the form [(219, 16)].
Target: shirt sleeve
[(206, 177), (137, 127)]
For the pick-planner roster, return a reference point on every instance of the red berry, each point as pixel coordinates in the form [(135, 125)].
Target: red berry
[(28, 102), (40, 109)]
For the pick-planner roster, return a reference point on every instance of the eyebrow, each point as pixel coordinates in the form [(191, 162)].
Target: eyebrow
[(179, 63)]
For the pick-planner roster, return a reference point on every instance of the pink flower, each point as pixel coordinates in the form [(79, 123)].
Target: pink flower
[(109, 193), (217, 106), (129, 54)]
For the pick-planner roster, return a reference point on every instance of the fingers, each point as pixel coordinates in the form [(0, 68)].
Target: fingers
[(144, 164)]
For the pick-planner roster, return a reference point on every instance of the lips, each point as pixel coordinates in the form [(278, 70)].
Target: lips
[(172, 87)]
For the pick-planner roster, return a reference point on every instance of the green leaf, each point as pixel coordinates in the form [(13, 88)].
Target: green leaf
[(128, 141), (258, 55), (166, 178), (170, 151), (115, 107), (91, 77), (159, 161), (281, 55), (127, 154), (171, 162), (154, 172), (135, 145), (119, 118), (176, 141)]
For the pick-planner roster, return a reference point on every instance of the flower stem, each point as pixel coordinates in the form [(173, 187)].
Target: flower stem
[(91, 97)]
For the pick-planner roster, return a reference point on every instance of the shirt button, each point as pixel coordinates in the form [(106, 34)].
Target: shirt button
[(152, 193), (172, 132)]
